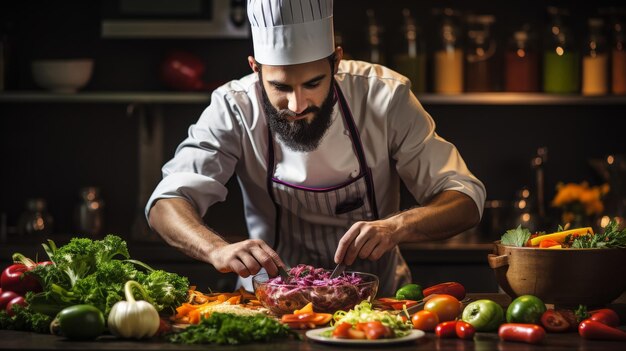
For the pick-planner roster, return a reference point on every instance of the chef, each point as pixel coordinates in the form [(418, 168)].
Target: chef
[(319, 146)]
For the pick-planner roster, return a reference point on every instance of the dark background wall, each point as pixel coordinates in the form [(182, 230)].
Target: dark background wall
[(50, 150)]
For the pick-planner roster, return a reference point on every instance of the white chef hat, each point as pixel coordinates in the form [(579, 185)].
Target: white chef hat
[(288, 32)]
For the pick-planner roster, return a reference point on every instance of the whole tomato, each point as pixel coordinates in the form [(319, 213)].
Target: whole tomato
[(525, 309), (447, 307), (465, 330), (446, 329), (484, 315), (425, 320)]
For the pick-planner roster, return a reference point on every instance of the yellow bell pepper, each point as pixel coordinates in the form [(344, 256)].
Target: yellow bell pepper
[(560, 236)]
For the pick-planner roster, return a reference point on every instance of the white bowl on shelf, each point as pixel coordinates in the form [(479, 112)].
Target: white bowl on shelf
[(62, 76)]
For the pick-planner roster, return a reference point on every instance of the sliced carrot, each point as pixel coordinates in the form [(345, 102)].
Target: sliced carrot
[(194, 317), (548, 243), (306, 309), (322, 318)]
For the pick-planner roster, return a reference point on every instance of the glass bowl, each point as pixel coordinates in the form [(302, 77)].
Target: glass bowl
[(284, 298)]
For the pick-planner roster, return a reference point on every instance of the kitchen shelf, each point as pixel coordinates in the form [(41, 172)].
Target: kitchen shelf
[(518, 99), (123, 97), (205, 98)]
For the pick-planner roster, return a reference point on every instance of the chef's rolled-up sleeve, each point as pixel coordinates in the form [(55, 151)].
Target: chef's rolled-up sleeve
[(206, 159), (427, 163)]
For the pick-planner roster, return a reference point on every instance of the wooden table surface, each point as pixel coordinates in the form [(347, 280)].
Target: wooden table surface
[(12, 340)]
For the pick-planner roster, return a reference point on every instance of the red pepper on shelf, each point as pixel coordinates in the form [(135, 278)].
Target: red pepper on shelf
[(595, 330)]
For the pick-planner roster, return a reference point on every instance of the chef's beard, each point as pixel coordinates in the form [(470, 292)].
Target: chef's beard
[(301, 135)]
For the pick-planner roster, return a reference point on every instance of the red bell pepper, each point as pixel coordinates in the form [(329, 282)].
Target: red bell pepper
[(595, 330), (396, 304), (450, 288), (14, 277)]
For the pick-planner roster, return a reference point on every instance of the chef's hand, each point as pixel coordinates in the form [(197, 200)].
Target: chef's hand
[(366, 240), (246, 258)]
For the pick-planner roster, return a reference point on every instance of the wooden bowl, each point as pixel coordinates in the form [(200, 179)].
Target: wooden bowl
[(567, 277)]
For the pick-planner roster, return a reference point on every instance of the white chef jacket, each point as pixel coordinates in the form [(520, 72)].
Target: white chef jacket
[(397, 134)]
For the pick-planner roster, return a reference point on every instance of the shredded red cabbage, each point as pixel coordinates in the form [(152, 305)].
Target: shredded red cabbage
[(309, 284)]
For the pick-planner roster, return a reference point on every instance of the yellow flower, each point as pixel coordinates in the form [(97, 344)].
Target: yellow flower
[(589, 197)]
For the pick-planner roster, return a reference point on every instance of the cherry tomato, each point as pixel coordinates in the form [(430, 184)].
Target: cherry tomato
[(554, 321), (341, 330), (605, 316), (16, 301), (425, 320), (450, 288), (6, 297), (446, 329), (522, 332), (464, 330), (446, 307)]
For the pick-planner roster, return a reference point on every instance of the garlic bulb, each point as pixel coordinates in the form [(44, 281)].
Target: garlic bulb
[(131, 318)]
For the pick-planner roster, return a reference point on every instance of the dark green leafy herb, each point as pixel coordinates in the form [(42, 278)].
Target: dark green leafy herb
[(515, 237), (25, 319), (611, 237), (224, 328), (94, 272)]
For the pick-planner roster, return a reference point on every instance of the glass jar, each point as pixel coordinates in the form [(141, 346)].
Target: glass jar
[(480, 55), (521, 63), (595, 68), (561, 59), (35, 221), (618, 57), (374, 39), (411, 61), (89, 214), (448, 53), (615, 200)]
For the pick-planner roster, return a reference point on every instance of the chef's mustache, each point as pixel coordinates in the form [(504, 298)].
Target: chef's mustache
[(286, 113)]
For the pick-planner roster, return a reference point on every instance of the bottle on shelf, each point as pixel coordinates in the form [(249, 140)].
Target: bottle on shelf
[(36, 220), (561, 60), (89, 215), (411, 61), (595, 69), (448, 54), (615, 199), (374, 39), (521, 63), (480, 58), (618, 57)]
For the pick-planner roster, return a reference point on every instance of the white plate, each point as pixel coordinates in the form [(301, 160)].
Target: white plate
[(315, 334)]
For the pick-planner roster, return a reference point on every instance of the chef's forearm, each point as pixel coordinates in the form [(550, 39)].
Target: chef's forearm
[(446, 215), (180, 225)]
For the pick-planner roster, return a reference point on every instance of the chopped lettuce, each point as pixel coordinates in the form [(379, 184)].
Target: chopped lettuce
[(364, 312), (515, 237)]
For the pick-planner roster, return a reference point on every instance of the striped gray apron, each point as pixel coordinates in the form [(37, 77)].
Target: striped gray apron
[(311, 221)]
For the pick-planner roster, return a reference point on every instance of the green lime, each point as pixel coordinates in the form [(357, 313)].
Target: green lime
[(410, 292)]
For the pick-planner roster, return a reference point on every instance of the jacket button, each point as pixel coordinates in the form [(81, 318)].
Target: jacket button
[(354, 174)]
